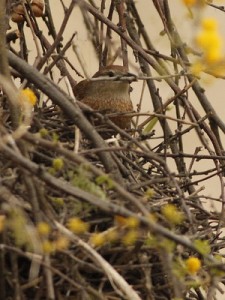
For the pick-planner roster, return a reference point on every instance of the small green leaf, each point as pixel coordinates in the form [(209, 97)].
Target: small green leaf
[(202, 246)]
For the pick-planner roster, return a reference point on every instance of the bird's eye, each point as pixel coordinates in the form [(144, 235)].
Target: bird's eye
[(111, 73)]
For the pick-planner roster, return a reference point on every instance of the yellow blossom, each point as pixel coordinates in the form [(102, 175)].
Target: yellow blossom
[(43, 132), (209, 24), (193, 264), (210, 41), (214, 55), (98, 239), (2, 222), (43, 228), (119, 220), (150, 193), (172, 214), (48, 247), (194, 3), (130, 237), (197, 68), (77, 226), (58, 164), (189, 2), (130, 222), (28, 95), (62, 243), (111, 236)]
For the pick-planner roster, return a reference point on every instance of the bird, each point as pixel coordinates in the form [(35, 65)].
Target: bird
[(109, 96)]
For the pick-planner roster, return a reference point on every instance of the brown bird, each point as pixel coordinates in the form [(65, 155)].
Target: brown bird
[(108, 96)]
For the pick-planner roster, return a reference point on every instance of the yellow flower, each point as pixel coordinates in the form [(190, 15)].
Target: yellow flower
[(28, 95), (209, 24), (189, 2), (119, 220), (112, 236), (193, 264), (48, 247), (77, 226), (58, 164), (150, 193), (98, 239), (197, 68), (130, 222), (172, 214), (62, 243), (43, 132), (197, 3), (130, 237), (43, 228), (2, 222), (214, 55), (210, 41)]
